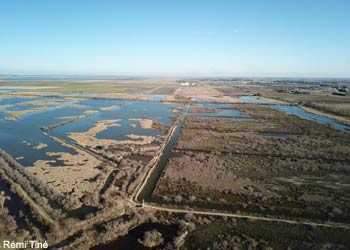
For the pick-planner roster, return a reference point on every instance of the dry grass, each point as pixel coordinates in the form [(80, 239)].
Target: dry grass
[(303, 174), (342, 109), (40, 146), (75, 177), (144, 122)]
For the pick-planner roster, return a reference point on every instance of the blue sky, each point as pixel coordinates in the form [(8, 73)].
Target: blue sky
[(292, 38)]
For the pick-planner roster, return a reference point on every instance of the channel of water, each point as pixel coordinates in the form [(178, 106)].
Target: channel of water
[(151, 183)]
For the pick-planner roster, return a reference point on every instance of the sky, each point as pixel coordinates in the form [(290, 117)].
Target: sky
[(289, 38)]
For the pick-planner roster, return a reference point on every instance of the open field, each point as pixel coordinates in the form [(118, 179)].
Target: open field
[(128, 85), (77, 156)]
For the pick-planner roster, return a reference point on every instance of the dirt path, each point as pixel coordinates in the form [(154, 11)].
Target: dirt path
[(253, 217)]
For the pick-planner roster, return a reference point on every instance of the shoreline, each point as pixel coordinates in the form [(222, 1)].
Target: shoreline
[(340, 119)]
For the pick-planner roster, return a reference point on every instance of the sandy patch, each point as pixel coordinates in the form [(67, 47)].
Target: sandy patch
[(10, 118), (78, 106), (85, 114), (108, 108), (40, 146), (144, 122), (100, 126), (88, 138), (14, 115), (90, 112)]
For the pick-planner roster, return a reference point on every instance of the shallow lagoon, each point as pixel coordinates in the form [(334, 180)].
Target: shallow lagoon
[(27, 127), (123, 111), (20, 136)]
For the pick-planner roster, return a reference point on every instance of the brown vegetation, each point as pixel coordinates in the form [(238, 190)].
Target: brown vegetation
[(302, 173), (342, 109)]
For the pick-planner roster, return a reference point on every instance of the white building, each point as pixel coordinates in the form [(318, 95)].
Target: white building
[(188, 84)]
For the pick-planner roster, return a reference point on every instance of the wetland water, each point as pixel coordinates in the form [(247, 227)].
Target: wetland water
[(124, 111), (19, 136), (222, 110), (298, 111), (295, 110)]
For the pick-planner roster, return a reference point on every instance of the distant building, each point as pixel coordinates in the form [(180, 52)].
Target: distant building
[(188, 84)]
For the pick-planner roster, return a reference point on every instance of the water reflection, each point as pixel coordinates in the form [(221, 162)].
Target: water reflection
[(298, 111)]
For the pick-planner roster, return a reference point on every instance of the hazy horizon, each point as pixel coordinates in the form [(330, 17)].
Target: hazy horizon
[(112, 77)]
